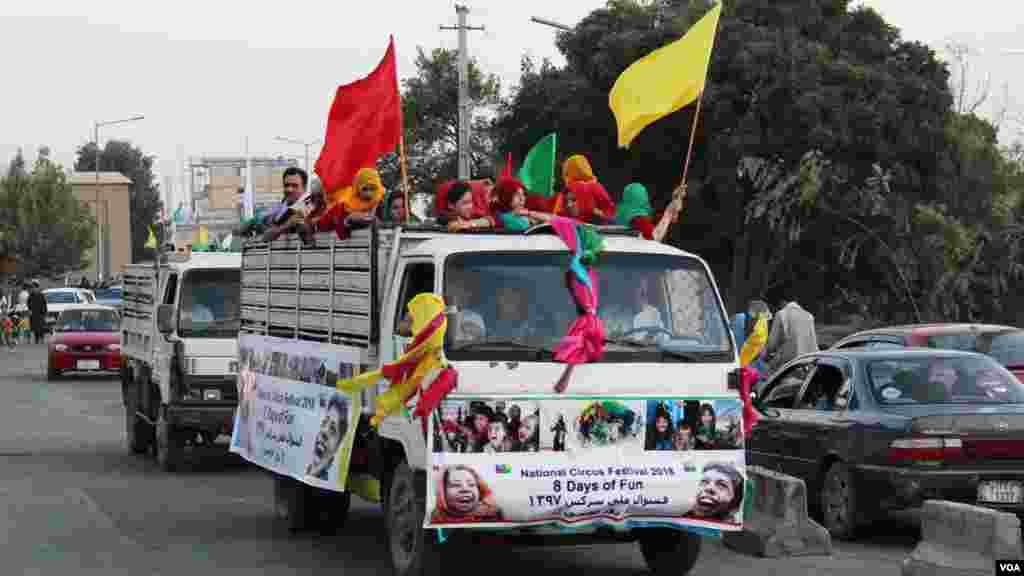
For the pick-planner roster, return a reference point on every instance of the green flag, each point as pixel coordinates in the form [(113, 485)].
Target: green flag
[(538, 170)]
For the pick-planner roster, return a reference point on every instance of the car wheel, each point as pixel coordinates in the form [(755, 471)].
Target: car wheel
[(52, 373), (839, 502), (412, 549), (669, 552), (170, 444)]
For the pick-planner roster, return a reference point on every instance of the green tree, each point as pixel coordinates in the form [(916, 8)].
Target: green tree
[(121, 156), (431, 120), (41, 222)]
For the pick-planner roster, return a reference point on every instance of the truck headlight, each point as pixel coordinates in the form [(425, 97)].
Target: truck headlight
[(211, 394)]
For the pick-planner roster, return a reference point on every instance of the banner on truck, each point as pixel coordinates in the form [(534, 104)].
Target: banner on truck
[(291, 419), (514, 462)]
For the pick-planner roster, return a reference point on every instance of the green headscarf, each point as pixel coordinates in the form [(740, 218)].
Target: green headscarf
[(635, 202)]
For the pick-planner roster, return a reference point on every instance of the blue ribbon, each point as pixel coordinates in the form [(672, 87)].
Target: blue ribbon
[(576, 265)]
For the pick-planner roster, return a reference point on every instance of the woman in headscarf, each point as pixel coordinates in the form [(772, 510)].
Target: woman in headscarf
[(584, 198), (463, 212), (464, 497), (635, 211), (512, 213), (354, 206)]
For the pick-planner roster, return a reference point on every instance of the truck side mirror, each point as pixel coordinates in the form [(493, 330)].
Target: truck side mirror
[(165, 318)]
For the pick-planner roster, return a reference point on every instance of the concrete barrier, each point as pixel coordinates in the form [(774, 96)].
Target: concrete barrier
[(963, 540), (776, 522)]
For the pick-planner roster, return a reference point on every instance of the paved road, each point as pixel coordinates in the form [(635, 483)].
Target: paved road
[(73, 500)]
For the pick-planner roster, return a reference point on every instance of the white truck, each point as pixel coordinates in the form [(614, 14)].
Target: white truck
[(352, 295), (179, 344)]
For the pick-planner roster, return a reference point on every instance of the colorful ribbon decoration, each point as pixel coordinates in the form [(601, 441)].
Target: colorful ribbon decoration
[(421, 368), (748, 376), (584, 342)]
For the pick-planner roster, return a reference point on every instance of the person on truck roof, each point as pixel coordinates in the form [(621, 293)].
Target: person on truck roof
[(634, 211), (355, 205), (394, 211), (583, 198), (511, 207), (286, 217), (465, 212)]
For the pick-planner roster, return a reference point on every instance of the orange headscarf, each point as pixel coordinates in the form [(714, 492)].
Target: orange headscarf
[(577, 168), (349, 197), (486, 508)]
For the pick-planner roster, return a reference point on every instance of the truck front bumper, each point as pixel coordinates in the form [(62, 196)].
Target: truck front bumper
[(214, 418)]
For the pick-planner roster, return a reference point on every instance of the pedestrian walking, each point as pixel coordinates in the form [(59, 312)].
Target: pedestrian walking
[(792, 334), (37, 311)]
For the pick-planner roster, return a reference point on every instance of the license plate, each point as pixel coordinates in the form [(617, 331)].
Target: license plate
[(1000, 492), (88, 364)]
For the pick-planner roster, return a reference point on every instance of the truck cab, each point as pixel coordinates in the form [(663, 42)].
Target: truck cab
[(179, 337)]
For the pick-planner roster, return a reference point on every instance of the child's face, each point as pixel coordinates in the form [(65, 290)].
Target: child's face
[(661, 424), (480, 422), (526, 429), (706, 418), (518, 200), (496, 434), (683, 438), (464, 207), (366, 192), (461, 492)]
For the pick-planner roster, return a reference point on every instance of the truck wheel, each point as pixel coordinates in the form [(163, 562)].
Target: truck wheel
[(170, 444), (669, 552), (412, 548), (137, 432), (292, 501), (333, 509)]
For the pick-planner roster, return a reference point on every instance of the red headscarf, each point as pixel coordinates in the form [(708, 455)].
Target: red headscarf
[(589, 195), (483, 202), (441, 198), (486, 508), (505, 191)]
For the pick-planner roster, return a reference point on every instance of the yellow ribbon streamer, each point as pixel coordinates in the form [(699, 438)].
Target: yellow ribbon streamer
[(753, 346)]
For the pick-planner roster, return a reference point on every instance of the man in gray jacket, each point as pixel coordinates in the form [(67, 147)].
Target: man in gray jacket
[(791, 335)]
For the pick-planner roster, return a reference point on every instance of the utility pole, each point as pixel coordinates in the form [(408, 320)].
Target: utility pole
[(465, 113)]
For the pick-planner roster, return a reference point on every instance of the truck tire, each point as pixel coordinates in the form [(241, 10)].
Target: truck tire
[(669, 552), (137, 432), (292, 504), (170, 444), (412, 549)]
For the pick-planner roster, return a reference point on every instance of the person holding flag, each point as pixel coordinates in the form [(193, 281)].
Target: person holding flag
[(634, 211), (584, 198)]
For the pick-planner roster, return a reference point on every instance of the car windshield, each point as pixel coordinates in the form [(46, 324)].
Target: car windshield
[(210, 303), (1007, 348), (654, 307), (61, 297), (943, 380), (108, 293), (88, 321)]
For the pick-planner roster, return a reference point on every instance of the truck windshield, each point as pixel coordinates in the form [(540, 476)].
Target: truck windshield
[(655, 307), (210, 304)]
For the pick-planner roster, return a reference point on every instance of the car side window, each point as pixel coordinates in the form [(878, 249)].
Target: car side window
[(823, 388), (783, 392), (884, 345), (418, 278), (854, 344)]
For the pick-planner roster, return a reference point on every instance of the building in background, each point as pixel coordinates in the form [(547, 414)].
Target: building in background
[(109, 203)]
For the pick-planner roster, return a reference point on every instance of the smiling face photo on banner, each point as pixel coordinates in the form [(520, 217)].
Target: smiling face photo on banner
[(719, 493), (463, 496), (333, 428)]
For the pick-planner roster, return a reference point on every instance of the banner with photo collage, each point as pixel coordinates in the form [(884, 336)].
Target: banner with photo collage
[(565, 463), (291, 418)]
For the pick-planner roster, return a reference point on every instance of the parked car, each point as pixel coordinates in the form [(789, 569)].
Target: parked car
[(59, 299), (86, 339), (111, 296), (1004, 343), (884, 429)]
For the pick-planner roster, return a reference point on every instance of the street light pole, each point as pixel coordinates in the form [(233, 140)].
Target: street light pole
[(550, 23), (99, 239), (464, 153)]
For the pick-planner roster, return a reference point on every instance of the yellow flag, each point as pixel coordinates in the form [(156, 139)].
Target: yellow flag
[(151, 241), (204, 236), (665, 80)]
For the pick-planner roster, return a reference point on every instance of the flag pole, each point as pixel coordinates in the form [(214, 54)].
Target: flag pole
[(693, 135), (405, 176)]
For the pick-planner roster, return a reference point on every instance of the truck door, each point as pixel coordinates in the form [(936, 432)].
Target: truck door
[(417, 278), (163, 351)]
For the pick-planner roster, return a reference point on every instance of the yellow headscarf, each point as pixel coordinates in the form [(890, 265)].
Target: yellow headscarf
[(577, 168), (349, 197)]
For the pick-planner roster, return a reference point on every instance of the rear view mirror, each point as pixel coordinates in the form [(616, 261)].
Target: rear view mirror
[(165, 318)]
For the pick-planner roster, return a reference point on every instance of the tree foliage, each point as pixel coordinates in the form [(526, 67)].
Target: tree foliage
[(144, 195), (829, 166), (42, 224)]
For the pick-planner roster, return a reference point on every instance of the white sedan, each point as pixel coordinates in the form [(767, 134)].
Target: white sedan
[(59, 299)]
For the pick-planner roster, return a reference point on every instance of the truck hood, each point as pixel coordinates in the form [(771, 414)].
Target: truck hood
[(511, 378), (211, 347)]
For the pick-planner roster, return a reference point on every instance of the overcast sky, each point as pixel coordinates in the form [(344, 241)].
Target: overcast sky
[(209, 74)]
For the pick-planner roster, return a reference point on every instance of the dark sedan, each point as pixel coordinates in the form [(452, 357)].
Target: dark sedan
[(877, 430), (1004, 343)]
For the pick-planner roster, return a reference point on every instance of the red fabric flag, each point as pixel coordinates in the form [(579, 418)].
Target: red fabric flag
[(364, 124)]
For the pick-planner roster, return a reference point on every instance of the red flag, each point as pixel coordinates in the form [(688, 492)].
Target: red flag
[(506, 172), (364, 124)]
